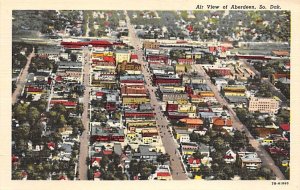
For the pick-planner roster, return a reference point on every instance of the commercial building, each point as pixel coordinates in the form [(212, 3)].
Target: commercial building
[(263, 105)]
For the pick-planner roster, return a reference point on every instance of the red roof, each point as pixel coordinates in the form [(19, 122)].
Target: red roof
[(228, 157), (97, 174), (181, 42), (133, 56), (108, 59), (33, 89), (185, 60), (285, 127), (24, 173), (86, 43), (58, 79), (62, 178), (163, 174), (69, 103), (192, 160), (99, 42), (14, 158), (100, 93), (97, 159), (51, 145), (107, 152)]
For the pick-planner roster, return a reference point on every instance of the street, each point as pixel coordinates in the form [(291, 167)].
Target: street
[(262, 153), (22, 79), (170, 145), (84, 139)]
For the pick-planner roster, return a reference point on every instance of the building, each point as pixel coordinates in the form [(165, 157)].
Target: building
[(103, 134), (134, 89), (249, 160), (122, 55), (151, 45), (146, 152), (150, 135), (166, 79), (195, 123), (220, 71), (131, 80), (263, 105), (130, 68), (185, 61)]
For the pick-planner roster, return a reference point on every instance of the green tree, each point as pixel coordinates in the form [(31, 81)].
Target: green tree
[(163, 158), (33, 115)]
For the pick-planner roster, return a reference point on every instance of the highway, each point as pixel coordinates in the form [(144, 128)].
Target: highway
[(178, 172)]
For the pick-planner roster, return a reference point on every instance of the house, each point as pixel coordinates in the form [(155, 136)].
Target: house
[(263, 132), (166, 79), (220, 123), (107, 134), (134, 58), (162, 173), (97, 174), (149, 135), (65, 131), (230, 156), (249, 160), (146, 152), (34, 90), (192, 123), (278, 151), (195, 98), (66, 103), (188, 148), (182, 134), (95, 162), (285, 127), (180, 69), (193, 164), (277, 76)]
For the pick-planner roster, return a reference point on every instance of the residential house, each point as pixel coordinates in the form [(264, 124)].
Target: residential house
[(193, 164), (146, 152), (104, 134), (249, 160), (192, 123), (230, 156), (220, 123)]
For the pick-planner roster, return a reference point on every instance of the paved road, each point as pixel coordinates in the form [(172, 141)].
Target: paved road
[(262, 153), (22, 79), (178, 172), (84, 139)]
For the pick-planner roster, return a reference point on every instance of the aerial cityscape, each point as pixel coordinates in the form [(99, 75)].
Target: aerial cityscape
[(150, 95)]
